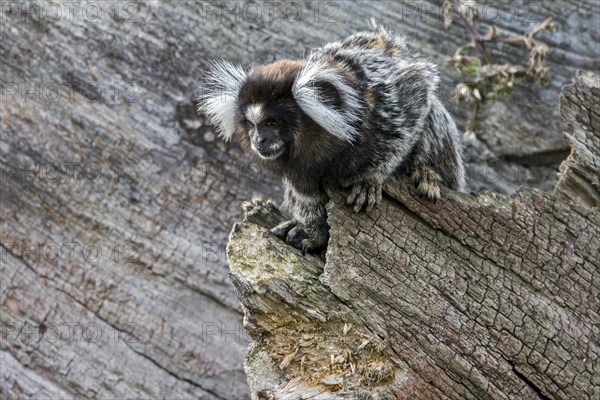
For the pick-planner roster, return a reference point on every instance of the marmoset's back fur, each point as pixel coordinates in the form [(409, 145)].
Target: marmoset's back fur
[(350, 115)]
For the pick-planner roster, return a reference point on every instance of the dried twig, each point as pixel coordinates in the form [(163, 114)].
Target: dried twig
[(485, 81)]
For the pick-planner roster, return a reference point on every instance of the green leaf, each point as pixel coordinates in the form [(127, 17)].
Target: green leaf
[(471, 68), (504, 91)]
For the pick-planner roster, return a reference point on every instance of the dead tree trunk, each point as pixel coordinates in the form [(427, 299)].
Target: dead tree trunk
[(116, 198), (486, 297)]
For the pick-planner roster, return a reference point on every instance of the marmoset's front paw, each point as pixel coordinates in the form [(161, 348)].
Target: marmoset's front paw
[(305, 238), (364, 194)]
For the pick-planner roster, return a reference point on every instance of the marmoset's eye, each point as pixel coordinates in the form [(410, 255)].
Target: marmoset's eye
[(249, 123), (273, 122)]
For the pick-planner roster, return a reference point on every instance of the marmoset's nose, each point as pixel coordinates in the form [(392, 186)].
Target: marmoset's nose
[(263, 138)]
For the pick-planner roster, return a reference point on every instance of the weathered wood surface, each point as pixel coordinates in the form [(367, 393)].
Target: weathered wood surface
[(116, 200), (474, 297), (580, 107)]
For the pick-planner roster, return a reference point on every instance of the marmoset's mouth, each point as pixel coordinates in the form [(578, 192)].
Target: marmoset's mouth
[(269, 152)]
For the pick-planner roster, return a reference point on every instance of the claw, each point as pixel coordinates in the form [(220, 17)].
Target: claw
[(353, 195), (304, 248), (374, 196), (360, 201)]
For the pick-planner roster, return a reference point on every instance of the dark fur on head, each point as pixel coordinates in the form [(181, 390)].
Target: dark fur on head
[(350, 115), (308, 146)]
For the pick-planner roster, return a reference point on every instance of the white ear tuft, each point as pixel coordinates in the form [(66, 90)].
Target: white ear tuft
[(220, 90), (308, 92)]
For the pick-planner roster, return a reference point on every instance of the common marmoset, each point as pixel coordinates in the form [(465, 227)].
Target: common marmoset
[(350, 115)]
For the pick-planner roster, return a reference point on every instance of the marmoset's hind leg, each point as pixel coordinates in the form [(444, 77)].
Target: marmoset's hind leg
[(436, 159)]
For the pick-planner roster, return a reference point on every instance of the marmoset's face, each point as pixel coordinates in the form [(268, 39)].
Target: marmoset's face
[(266, 131), (267, 115)]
